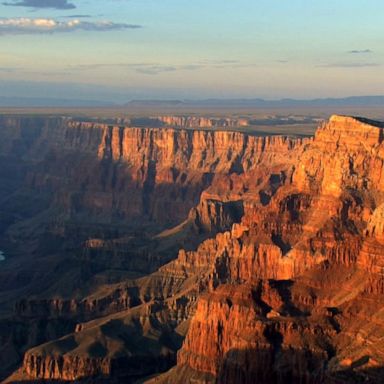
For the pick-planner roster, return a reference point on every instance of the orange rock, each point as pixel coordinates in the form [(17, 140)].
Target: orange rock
[(286, 283)]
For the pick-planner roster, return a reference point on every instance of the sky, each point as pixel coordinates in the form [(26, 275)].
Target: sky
[(117, 50)]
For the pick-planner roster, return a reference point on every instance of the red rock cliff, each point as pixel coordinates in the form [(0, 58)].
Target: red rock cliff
[(317, 241), (290, 292)]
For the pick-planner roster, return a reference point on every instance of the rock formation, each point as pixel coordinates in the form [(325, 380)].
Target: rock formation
[(316, 243), (84, 203), (272, 270), (203, 122)]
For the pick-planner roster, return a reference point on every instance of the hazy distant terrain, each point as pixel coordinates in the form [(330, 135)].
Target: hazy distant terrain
[(323, 103), (294, 120)]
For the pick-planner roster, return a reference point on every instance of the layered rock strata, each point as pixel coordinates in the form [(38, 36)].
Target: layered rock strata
[(85, 214), (202, 122), (286, 288), (316, 243)]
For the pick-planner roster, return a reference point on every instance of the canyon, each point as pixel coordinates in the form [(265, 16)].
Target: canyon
[(177, 254)]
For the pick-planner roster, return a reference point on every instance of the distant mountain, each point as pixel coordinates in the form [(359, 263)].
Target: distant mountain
[(157, 103), (30, 102), (262, 103), (361, 101)]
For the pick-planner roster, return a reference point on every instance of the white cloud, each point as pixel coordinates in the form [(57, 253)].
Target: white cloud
[(13, 26)]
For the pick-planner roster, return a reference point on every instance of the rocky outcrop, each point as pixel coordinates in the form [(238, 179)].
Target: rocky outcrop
[(202, 122), (204, 151), (91, 168), (102, 184), (215, 215), (66, 368), (81, 310), (282, 283), (238, 337), (316, 239), (123, 346)]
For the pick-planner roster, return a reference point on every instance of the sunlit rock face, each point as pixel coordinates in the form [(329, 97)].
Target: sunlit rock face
[(90, 209), (202, 122), (294, 282), (113, 173), (278, 271)]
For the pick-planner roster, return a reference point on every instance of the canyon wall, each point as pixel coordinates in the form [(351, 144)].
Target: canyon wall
[(315, 248), (276, 273), (85, 208), (203, 122), (92, 168)]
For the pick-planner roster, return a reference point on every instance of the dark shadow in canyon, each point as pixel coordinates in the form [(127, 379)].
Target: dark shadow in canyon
[(289, 365)]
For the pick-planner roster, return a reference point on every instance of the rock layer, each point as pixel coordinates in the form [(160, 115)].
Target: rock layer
[(283, 279), (85, 210), (202, 122), (316, 241)]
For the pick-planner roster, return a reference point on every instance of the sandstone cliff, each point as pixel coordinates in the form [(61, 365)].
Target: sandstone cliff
[(317, 241), (283, 282), (203, 122), (86, 210)]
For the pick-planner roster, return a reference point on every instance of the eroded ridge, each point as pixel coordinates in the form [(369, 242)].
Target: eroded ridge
[(283, 282)]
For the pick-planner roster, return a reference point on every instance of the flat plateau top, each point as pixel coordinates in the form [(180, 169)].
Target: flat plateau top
[(356, 120)]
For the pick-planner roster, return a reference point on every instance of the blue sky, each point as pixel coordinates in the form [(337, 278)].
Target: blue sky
[(123, 49)]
